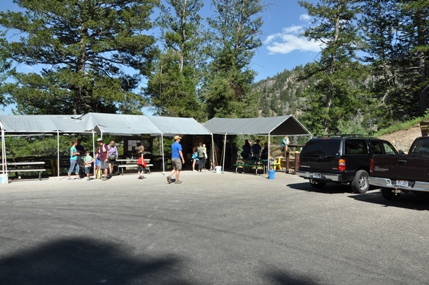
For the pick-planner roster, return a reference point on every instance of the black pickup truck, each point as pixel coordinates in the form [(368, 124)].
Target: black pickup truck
[(343, 159), (404, 172)]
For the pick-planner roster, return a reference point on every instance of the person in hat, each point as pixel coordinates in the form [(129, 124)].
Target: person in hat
[(176, 159), (102, 151)]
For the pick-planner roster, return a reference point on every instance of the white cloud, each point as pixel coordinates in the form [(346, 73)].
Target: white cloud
[(305, 18), (289, 40), (289, 43)]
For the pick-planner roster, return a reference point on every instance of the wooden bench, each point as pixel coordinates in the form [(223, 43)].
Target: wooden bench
[(26, 166), (132, 163)]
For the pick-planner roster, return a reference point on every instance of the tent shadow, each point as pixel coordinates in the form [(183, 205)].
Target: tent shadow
[(406, 201), (86, 261)]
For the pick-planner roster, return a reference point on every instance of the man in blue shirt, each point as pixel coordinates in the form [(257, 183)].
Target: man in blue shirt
[(176, 159)]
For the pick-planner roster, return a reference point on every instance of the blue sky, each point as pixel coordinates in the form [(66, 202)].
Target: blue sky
[(284, 21)]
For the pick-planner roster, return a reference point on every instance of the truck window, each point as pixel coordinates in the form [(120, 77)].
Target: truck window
[(388, 148), (376, 147), (321, 147), (356, 147), (421, 147)]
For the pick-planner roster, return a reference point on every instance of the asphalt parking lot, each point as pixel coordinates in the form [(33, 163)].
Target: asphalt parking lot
[(211, 229)]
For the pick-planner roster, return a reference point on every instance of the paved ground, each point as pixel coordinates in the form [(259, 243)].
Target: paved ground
[(212, 229)]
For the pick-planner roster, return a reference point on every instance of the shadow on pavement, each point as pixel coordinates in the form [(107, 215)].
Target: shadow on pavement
[(405, 201), (86, 261), (330, 188), (284, 278)]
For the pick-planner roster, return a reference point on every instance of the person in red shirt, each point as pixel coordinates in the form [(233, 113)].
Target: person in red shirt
[(101, 154)]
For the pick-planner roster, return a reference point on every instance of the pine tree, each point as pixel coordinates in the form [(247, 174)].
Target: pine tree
[(172, 86), (91, 53), (4, 69), (236, 31), (335, 96)]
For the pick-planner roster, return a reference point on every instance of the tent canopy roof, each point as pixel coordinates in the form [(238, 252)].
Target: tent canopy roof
[(276, 126), (24, 124), (115, 124)]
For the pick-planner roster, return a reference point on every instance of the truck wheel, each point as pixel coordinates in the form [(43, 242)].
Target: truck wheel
[(360, 183), (388, 194), (317, 184)]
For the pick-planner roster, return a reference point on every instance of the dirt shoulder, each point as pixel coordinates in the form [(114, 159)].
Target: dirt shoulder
[(403, 139)]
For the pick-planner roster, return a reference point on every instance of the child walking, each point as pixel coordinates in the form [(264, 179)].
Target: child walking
[(141, 164), (88, 160)]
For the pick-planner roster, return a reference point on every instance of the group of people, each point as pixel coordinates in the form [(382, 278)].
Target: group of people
[(104, 160), (255, 151), (199, 157)]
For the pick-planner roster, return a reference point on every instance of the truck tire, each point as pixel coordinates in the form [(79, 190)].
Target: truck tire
[(388, 194), (360, 183), (317, 184)]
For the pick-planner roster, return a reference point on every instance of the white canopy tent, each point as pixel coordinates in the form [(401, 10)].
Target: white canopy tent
[(37, 124), (270, 126), (99, 123)]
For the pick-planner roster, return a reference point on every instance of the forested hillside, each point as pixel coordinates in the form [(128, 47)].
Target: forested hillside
[(117, 56), (279, 95)]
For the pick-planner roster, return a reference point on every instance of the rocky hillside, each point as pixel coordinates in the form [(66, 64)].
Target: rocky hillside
[(403, 139)]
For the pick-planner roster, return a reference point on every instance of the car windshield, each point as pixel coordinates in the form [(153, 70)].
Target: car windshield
[(321, 147)]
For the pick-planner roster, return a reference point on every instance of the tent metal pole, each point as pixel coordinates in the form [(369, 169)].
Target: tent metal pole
[(93, 150), (269, 147), (213, 154), (224, 152), (162, 153), (3, 152), (58, 155)]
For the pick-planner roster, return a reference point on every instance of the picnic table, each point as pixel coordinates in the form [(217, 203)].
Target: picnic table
[(248, 165), (26, 166), (131, 163)]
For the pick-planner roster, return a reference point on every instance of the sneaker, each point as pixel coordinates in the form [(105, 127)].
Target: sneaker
[(104, 179), (89, 179), (178, 182), (168, 179), (139, 177)]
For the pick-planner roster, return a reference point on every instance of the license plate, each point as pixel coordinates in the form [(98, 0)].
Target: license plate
[(315, 175), (402, 183)]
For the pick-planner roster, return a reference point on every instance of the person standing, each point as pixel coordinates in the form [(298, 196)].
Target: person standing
[(202, 154), (81, 150), (256, 149), (264, 154), (285, 145), (234, 154), (88, 160), (247, 149), (112, 156), (177, 160), (194, 157), (74, 165), (102, 151), (140, 163)]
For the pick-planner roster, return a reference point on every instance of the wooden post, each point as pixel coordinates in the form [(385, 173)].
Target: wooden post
[(424, 128)]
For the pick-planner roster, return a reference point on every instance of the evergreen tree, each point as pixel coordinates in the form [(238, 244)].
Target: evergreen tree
[(92, 54), (236, 30), (172, 86), (335, 96), (415, 62), (4, 68)]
